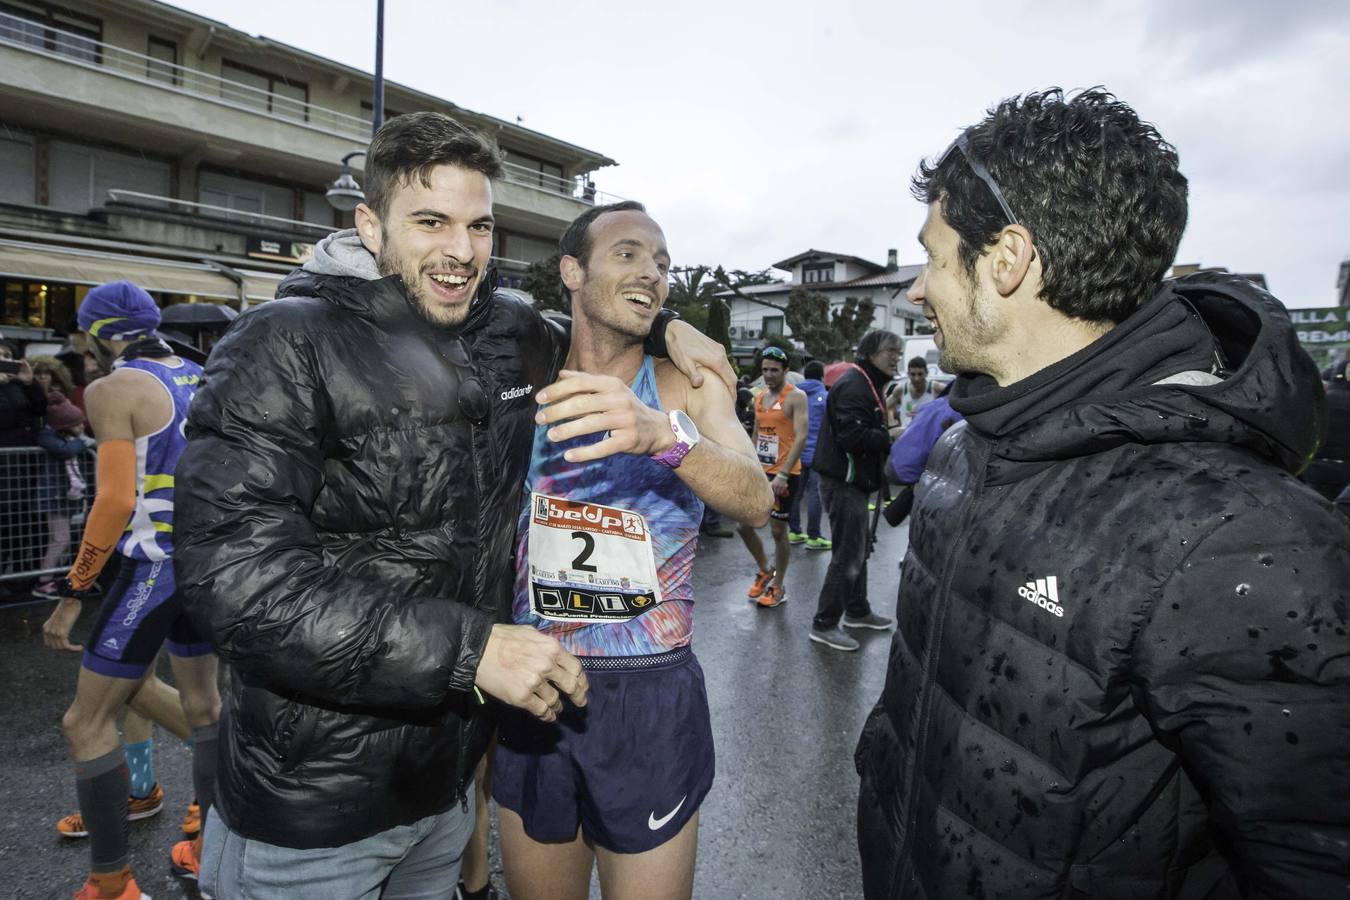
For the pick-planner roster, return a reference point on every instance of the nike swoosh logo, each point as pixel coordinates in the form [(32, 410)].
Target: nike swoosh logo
[(656, 824)]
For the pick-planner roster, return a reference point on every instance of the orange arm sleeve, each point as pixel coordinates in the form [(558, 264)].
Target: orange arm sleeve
[(113, 505)]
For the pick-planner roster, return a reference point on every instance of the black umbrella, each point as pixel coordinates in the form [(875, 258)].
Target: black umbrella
[(198, 316)]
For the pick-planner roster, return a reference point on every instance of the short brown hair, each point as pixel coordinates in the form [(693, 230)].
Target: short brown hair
[(410, 146)]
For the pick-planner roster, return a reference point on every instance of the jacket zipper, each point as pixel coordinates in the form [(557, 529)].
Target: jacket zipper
[(479, 576), (929, 671)]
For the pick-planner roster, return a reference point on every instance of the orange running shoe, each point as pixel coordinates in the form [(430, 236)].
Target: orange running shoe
[(761, 582), (774, 595), (192, 821), (72, 826), (186, 858), (94, 888)]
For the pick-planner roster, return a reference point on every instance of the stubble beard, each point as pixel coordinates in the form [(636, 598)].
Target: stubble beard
[(968, 351), (390, 263)]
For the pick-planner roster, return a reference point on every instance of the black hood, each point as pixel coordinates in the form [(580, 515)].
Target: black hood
[(1268, 396), (344, 273)]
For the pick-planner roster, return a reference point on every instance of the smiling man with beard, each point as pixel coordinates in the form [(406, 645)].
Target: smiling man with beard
[(1120, 667), (347, 508), (626, 453)]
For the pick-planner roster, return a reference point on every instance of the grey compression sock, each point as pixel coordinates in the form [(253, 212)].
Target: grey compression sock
[(204, 765), (102, 785)]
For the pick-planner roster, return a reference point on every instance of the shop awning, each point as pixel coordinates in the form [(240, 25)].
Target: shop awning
[(19, 259)]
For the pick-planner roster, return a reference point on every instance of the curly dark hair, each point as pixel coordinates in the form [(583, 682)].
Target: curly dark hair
[(411, 145), (1098, 189)]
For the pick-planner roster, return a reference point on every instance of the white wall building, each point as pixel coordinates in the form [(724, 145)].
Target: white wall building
[(837, 276)]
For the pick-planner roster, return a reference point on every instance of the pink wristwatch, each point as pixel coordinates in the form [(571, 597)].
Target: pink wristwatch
[(686, 439)]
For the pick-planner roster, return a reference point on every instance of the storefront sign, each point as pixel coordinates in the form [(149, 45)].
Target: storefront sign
[(279, 249), (1326, 326)]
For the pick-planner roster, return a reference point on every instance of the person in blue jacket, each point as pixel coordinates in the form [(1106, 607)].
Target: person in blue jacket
[(813, 386), (909, 453)]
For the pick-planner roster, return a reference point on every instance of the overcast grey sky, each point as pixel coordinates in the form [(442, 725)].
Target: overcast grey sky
[(754, 130)]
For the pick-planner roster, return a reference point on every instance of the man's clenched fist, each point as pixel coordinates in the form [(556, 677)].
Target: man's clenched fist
[(530, 670)]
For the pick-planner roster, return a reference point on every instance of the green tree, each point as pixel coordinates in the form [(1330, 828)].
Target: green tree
[(691, 290), (543, 282), (719, 322), (827, 334)]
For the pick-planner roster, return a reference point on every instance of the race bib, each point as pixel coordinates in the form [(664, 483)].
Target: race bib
[(589, 563), (766, 448)]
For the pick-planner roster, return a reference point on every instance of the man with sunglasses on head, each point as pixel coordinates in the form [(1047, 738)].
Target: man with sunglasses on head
[(347, 506), (780, 432), (1111, 676), (626, 453)]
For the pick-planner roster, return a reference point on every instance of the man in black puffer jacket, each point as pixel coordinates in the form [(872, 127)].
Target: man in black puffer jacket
[(1121, 667), (346, 512), (850, 457)]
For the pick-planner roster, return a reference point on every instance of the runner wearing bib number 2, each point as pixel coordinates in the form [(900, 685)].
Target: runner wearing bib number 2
[(626, 453), (781, 426)]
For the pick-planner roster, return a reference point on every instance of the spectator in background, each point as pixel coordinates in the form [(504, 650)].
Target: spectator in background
[(22, 402), (909, 453), (1329, 472), (62, 481), (850, 458), (52, 375), (808, 492), (905, 401)]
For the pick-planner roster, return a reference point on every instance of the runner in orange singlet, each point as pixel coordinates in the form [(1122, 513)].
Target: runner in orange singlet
[(779, 436)]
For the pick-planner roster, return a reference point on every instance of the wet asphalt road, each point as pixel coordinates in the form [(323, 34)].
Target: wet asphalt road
[(786, 713)]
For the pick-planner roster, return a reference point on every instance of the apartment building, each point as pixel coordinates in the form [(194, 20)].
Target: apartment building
[(836, 275), (141, 141)]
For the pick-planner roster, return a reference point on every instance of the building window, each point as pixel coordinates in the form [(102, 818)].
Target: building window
[(368, 111), (531, 170), (18, 163), (244, 195), (255, 89), (817, 274), (80, 175), (523, 248), (35, 305), (57, 30), (163, 62), (771, 326)]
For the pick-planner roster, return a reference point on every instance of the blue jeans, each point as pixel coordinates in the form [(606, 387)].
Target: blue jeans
[(810, 489), (406, 862)]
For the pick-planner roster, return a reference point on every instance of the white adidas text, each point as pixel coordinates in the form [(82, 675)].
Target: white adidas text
[(517, 392), (1044, 592)]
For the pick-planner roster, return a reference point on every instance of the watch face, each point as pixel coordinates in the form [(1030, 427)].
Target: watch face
[(688, 430)]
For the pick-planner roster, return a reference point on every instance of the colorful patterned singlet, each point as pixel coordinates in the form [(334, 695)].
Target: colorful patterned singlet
[(149, 534), (645, 499)]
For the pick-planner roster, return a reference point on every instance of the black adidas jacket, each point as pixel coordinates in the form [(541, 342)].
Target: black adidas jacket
[(1170, 717), (345, 511)]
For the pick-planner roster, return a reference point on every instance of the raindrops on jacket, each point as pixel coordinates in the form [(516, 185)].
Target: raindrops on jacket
[(1243, 589), (1266, 559)]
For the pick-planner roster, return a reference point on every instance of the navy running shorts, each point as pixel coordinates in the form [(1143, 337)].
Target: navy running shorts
[(782, 506), (630, 768), (141, 612)]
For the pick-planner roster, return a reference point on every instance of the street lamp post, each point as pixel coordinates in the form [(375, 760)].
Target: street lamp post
[(377, 116), (345, 194)]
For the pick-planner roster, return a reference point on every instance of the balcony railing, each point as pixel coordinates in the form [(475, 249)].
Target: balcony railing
[(81, 50), (139, 200), (207, 210)]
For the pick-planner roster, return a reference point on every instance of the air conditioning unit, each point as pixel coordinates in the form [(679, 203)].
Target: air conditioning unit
[(734, 331), (752, 333)]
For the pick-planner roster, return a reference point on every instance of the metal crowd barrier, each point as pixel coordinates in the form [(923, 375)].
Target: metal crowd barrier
[(36, 510)]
